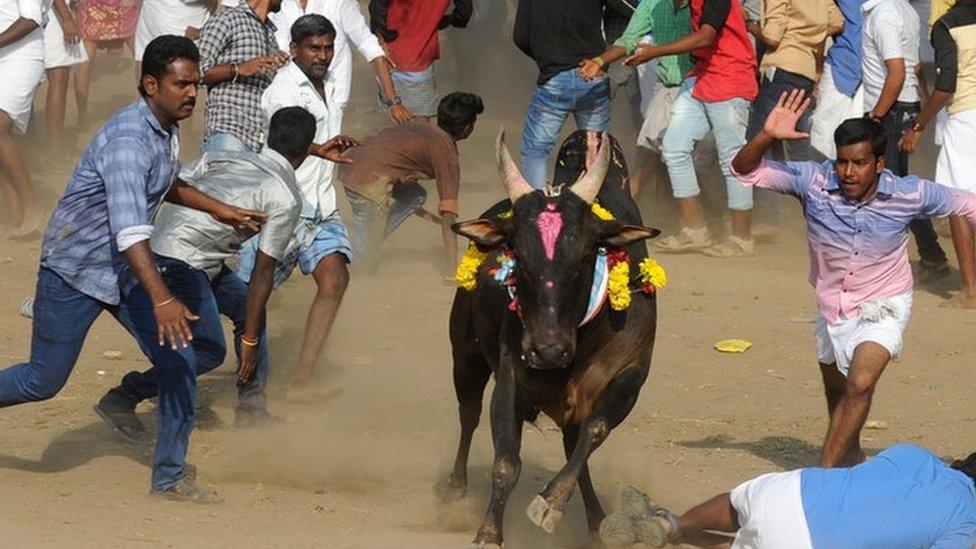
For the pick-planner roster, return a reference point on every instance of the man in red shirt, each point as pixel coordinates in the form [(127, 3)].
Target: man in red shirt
[(715, 96), (408, 31)]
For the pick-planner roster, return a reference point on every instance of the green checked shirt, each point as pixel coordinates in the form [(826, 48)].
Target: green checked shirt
[(666, 24)]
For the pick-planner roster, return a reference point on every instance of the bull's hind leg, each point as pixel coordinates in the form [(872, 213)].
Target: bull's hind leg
[(506, 432), (547, 508), (471, 373)]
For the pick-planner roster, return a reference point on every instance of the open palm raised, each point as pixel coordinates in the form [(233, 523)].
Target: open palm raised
[(781, 122)]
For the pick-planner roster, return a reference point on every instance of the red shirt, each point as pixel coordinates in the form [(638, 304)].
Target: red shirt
[(727, 69), (415, 21)]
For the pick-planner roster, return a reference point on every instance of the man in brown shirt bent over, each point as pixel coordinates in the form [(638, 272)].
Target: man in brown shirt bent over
[(381, 182)]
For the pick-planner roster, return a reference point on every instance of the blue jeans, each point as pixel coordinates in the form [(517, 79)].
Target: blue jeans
[(691, 120), (371, 223), (230, 293), (564, 94), (223, 141)]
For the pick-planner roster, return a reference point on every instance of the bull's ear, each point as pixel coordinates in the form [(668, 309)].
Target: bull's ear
[(618, 235), (484, 232)]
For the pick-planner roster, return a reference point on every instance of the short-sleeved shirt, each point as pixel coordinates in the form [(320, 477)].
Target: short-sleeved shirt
[(236, 35), (292, 88), (954, 40), (903, 497), (844, 56), (858, 250), (726, 69), (30, 46), (800, 27), (417, 44), (667, 24), (891, 31), (404, 154), (124, 174), (263, 182)]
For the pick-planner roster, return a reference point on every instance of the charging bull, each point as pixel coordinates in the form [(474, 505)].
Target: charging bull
[(530, 333)]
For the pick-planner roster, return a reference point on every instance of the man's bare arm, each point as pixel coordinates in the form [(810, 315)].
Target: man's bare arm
[(894, 80)]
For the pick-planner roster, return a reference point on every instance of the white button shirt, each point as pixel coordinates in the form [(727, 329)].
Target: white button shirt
[(350, 26), (891, 31), (32, 45), (291, 88)]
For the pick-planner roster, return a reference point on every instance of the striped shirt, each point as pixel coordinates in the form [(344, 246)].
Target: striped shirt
[(122, 177), (858, 249)]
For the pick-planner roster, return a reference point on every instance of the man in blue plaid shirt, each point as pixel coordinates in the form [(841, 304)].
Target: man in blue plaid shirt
[(96, 250)]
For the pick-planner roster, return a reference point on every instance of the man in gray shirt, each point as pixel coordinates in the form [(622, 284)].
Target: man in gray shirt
[(194, 241)]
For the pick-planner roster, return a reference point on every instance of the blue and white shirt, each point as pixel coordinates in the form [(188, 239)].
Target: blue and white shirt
[(123, 176)]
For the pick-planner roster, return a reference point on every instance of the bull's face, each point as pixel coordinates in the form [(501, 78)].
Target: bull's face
[(555, 237)]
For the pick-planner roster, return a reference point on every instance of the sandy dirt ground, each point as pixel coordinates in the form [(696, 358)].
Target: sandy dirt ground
[(356, 469)]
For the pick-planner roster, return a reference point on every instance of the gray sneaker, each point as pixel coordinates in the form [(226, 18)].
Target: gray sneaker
[(120, 414), (187, 491)]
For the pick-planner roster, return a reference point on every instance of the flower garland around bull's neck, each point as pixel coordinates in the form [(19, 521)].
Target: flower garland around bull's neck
[(651, 274)]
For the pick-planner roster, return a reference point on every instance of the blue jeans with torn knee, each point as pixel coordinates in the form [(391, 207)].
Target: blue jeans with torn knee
[(691, 120)]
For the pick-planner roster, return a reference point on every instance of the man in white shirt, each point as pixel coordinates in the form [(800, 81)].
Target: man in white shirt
[(179, 17), (889, 66), (320, 245), (22, 65), (351, 27)]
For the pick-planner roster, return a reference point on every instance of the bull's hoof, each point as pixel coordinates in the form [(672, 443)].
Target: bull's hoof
[(476, 545), (449, 490), (544, 515)]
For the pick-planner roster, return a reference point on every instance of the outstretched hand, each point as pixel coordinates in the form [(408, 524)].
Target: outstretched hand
[(334, 148), (781, 122)]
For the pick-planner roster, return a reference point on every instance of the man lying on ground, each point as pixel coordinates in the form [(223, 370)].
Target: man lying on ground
[(858, 215), (904, 497)]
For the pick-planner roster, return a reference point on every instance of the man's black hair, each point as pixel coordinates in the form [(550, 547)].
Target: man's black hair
[(311, 25), (967, 466), (858, 130), (457, 111), (292, 131), (162, 51)]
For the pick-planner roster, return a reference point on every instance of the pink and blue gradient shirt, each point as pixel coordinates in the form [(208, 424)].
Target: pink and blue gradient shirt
[(858, 250)]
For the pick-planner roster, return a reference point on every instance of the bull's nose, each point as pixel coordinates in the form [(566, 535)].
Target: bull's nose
[(550, 354)]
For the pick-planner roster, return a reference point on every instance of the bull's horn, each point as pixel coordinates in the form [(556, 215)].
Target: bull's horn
[(515, 185), (589, 183)]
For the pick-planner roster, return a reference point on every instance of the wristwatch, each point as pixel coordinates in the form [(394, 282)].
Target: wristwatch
[(397, 100)]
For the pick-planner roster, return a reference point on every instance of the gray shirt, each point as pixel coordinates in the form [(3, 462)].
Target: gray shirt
[(891, 31), (264, 182)]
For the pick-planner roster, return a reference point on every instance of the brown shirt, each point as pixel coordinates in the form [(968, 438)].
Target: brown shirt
[(404, 154), (800, 27)]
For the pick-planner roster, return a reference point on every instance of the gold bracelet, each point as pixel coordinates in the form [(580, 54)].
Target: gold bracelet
[(599, 61), (167, 302), (250, 343)]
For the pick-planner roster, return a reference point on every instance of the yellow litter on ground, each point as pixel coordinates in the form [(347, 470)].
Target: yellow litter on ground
[(733, 345)]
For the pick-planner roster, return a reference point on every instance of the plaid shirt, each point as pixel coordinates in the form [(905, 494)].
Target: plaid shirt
[(236, 35), (122, 177)]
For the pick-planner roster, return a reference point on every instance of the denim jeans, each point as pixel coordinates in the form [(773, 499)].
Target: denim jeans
[(230, 292), (223, 141), (176, 370), (898, 119), (371, 223), (564, 94), (691, 120)]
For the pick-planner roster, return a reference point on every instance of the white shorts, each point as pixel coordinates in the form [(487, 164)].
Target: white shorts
[(57, 52), (956, 166), (159, 17), (657, 116), (770, 509), (833, 107), (17, 94), (882, 321)]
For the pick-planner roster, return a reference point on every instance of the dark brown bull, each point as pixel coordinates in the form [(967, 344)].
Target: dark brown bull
[(586, 378)]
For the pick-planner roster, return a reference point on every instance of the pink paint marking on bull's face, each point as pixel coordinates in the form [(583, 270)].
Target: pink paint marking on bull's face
[(550, 224)]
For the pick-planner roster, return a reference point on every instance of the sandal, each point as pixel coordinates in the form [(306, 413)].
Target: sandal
[(732, 247), (694, 240)]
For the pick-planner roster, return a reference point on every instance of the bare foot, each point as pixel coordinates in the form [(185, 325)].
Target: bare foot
[(962, 300)]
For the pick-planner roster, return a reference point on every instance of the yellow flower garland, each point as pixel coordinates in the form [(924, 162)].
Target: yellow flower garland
[(618, 286), (601, 212), (467, 269), (652, 273)]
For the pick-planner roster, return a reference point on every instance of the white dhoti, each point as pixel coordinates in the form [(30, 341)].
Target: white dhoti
[(57, 52), (956, 166), (833, 107), (770, 509), (21, 78), (159, 17)]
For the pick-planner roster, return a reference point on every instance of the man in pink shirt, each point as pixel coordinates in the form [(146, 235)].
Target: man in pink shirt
[(857, 216)]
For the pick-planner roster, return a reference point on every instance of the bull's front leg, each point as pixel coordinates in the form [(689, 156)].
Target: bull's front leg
[(506, 432), (547, 508)]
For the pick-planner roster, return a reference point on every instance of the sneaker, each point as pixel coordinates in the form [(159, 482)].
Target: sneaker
[(932, 270), (246, 418), (119, 413), (185, 490)]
